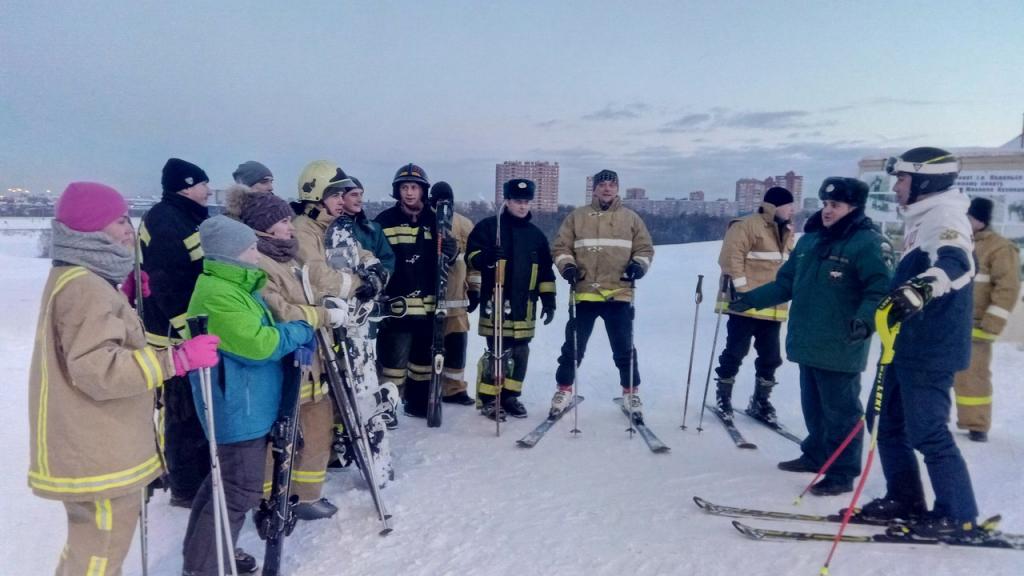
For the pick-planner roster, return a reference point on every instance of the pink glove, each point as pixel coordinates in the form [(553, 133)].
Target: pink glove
[(128, 286), (199, 352)]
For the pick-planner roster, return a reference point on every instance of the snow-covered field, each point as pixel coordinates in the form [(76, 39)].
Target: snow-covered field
[(466, 502)]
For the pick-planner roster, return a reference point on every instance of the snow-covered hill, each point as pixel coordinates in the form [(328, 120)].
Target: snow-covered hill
[(466, 502)]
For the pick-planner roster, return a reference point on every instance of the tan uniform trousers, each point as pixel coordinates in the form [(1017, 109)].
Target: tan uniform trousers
[(99, 535), (973, 389), (309, 469)]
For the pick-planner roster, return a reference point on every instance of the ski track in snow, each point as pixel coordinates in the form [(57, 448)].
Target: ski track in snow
[(466, 502)]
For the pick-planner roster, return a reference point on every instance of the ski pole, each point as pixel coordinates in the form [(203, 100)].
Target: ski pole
[(699, 297), (632, 355), (498, 309), (575, 361), (221, 527), (724, 287), (144, 509), (887, 334)]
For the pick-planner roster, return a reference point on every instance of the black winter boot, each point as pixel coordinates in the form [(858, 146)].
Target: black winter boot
[(723, 394), (759, 406)]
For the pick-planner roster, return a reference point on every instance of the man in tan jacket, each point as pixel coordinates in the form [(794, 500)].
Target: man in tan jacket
[(601, 250), (754, 249), (996, 289)]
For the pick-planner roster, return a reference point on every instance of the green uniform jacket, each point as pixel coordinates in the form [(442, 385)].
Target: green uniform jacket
[(833, 276)]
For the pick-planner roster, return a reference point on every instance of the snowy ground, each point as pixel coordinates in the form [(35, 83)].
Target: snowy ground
[(466, 502)]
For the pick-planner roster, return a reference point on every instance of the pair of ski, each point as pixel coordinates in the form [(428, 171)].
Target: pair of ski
[(896, 532), (737, 436), (652, 440)]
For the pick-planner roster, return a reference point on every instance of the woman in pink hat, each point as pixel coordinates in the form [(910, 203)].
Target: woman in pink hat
[(92, 382)]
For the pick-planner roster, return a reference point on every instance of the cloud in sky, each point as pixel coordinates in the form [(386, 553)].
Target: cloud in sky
[(616, 112)]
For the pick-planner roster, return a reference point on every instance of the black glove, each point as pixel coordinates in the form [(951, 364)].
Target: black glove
[(547, 311), (634, 271), (859, 331), (739, 303), (489, 256), (449, 248), (572, 274), (908, 299), (474, 301), (373, 278)]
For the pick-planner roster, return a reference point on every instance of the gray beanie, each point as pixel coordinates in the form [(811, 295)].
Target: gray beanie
[(225, 239), (251, 172)]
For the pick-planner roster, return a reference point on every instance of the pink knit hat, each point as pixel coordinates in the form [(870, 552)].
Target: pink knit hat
[(89, 206)]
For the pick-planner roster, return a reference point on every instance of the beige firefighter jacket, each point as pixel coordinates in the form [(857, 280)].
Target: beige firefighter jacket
[(326, 280), (286, 300), (601, 243), (997, 284), (752, 253), (91, 388), (459, 279)]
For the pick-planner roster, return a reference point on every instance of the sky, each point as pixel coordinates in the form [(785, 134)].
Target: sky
[(675, 96)]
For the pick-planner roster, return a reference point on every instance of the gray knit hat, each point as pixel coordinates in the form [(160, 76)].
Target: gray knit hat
[(251, 172), (225, 239)]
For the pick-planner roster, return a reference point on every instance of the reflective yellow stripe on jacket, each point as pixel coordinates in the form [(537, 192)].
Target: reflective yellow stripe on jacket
[(93, 484), (766, 313)]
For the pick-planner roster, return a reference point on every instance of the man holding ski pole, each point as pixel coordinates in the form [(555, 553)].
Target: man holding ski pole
[(932, 301), (528, 276), (600, 250)]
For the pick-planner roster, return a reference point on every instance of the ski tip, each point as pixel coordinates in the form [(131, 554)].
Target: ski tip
[(748, 446), (662, 450), (522, 444), (386, 531), (701, 503), (746, 530)]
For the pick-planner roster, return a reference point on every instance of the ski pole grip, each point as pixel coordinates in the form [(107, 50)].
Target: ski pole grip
[(700, 294), (197, 325)]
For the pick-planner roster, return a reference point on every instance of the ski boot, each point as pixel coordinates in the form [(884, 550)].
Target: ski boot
[(723, 395), (631, 401), (977, 436), (887, 509), (759, 406), (944, 529), (561, 400)]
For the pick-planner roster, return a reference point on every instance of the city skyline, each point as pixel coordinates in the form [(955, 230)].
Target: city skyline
[(117, 88)]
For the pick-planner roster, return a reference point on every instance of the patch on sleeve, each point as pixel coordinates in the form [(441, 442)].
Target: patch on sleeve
[(888, 255), (949, 234)]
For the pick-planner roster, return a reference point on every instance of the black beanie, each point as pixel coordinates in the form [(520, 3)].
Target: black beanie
[(605, 176), (778, 196), (981, 210), (520, 189), (441, 191), (179, 175)]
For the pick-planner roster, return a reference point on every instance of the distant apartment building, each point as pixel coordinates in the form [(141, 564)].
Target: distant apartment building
[(750, 191), (543, 174), (675, 207), (697, 196), (794, 183), (589, 196), (636, 193)]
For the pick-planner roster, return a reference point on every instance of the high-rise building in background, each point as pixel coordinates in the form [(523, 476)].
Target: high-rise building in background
[(636, 193), (750, 191), (590, 190), (794, 183), (543, 174), (697, 196)]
